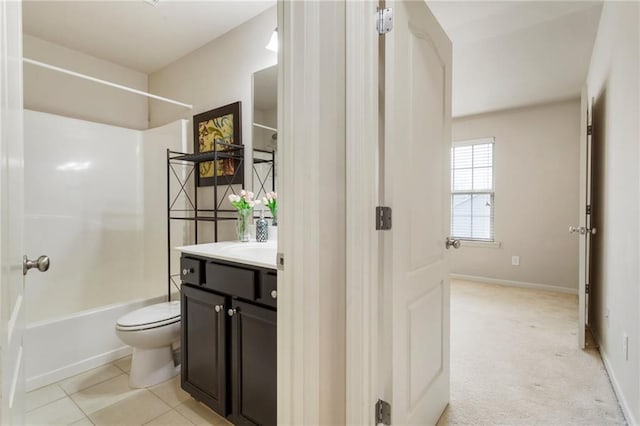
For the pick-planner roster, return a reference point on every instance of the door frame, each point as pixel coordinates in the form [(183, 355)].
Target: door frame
[(12, 308), (582, 214), (311, 286), (362, 186)]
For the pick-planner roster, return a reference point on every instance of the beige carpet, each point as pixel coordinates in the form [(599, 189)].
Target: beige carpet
[(515, 361)]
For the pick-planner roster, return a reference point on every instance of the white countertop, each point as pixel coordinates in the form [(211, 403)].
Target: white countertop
[(252, 253)]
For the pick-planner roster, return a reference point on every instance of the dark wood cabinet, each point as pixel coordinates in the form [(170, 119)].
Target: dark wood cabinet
[(229, 337), (253, 357), (204, 347)]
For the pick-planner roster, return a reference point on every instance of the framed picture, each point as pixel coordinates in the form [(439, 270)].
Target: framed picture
[(213, 131)]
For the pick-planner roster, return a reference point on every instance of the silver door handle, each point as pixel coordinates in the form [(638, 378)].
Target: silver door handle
[(42, 263), (582, 230), (452, 243)]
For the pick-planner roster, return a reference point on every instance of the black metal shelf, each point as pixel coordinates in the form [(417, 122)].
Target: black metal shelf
[(203, 218), (263, 157), (209, 156), (182, 168)]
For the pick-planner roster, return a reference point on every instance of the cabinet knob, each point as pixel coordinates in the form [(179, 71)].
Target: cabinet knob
[(232, 312), (219, 308), (274, 294), (187, 271)]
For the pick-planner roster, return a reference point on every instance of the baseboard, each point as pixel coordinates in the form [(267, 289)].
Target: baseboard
[(628, 414), (71, 370), (510, 283), (64, 347)]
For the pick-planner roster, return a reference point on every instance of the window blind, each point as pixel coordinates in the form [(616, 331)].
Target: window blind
[(472, 190)]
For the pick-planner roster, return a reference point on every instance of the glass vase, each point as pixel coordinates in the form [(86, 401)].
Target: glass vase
[(242, 225)]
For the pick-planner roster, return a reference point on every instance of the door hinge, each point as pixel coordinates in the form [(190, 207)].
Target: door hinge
[(383, 413), (384, 20), (383, 218), (280, 261), (588, 208), (587, 288), (589, 129)]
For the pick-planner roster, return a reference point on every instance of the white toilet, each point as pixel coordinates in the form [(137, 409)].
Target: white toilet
[(151, 331)]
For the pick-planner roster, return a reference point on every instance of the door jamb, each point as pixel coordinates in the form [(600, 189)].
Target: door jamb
[(311, 286), (362, 188)]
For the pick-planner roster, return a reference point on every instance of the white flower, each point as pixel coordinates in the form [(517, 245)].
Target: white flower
[(250, 195), (252, 203), (243, 193), (274, 195), (265, 201), (234, 198)]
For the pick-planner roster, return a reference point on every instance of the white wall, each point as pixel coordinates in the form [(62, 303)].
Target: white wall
[(536, 195), (96, 204), (217, 74), (56, 93), (613, 82)]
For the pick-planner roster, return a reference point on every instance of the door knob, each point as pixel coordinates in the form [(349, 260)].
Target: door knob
[(42, 263), (582, 230), (452, 243)]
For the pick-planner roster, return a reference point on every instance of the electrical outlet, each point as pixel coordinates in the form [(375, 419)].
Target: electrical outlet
[(515, 260), (625, 346)]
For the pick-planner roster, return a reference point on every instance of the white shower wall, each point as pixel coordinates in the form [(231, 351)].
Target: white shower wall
[(96, 205)]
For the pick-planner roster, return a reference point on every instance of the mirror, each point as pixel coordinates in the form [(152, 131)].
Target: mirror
[(264, 130)]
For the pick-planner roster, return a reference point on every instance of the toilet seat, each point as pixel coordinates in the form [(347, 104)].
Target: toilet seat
[(153, 316)]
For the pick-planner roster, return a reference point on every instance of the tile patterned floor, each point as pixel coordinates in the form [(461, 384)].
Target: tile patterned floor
[(102, 396)]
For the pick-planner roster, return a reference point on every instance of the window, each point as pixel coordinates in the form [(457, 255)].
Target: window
[(472, 190)]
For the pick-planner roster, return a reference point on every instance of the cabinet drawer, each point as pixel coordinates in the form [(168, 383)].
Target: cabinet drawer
[(268, 289), (231, 280), (190, 270)]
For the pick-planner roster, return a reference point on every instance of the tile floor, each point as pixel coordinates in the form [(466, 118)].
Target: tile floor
[(102, 396)]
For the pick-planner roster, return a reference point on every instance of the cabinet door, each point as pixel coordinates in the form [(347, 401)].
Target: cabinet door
[(253, 360), (204, 359)]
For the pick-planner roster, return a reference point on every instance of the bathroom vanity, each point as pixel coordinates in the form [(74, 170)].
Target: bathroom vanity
[(229, 294)]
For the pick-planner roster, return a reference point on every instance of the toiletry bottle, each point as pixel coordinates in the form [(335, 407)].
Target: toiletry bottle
[(262, 228)]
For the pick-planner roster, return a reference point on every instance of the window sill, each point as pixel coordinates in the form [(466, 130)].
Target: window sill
[(481, 244)]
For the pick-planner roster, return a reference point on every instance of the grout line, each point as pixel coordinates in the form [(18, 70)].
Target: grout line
[(50, 402), (120, 368), (87, 387), (175, 411), (86, 418), (81, 410), (96, 384)]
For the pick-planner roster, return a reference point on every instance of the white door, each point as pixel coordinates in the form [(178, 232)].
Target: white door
[(417, 141), (584, 229), (11, 213)]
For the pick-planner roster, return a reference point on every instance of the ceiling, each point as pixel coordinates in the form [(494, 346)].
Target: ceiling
[(505, 54), (134, 33), (514, 54)]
